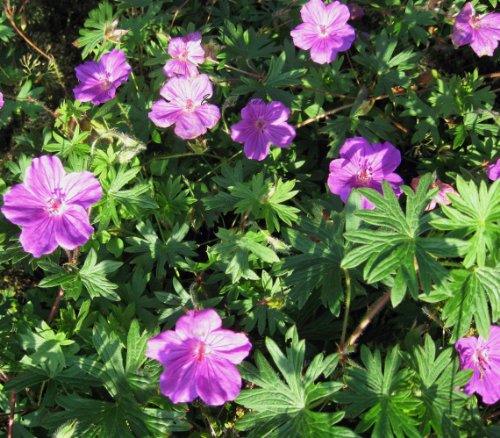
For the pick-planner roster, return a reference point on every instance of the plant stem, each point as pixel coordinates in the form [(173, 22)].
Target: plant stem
[(347, 305), (55, 306), (323, 115), (376, 308), (10, 431)]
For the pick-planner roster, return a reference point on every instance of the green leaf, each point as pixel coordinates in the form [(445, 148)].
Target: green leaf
[(93, 277), (282, 408)]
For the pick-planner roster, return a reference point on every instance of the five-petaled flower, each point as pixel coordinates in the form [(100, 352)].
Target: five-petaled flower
[(493, 171), (184, 104), (441, 197), (99, 80), (187, 53), (482, 356), (482, 33), (51, 206), (324, 30), (199, 359), (261, 125), (362, 164)]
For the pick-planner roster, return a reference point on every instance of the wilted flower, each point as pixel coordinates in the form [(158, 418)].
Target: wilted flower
[(199, 359), (187, 53), (261, 125), (324, 30), (51, 206), (441, 197), (493, 171), (362, 164), (482, 33), (482, 356), (99, 80), (184, 103)]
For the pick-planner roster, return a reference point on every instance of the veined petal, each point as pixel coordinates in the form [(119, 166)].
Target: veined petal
[(198, 324), (178, 382), (483, 42), (217, 381), (22, 207), (281, 134), (39, 238), (44, 176), (72, 228), (164, 114), (256, 146), (323, 52), (208, 115), (228, 345), (305, 35), (337, 13), (314, 11), (81, 188)]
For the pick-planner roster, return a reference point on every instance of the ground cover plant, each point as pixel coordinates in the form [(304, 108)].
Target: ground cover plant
[(249, 218)]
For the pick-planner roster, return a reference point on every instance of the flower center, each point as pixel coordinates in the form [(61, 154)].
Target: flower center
[(200, 351), (475, 22), (183, 56), (323, 31), (105, 83), (364, 176), (190, 105), (260, 125), (55, 204), (480, 358)]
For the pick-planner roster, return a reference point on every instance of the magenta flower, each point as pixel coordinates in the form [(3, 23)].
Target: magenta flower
[(199, 359), (184, 105), (99, 80), (482, 33), (442, 196), (493, 171), (362, 164), (187, 53), (324, 30), (261, 125), (1, 100), (51, 206), (482, 356)]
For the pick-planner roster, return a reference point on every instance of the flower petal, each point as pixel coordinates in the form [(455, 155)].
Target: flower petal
[(323, 52), (164, 114), (217, 381), (39, 238), (72, 228), (44, 176), (165, 347), (256, 146), (81, 188), (229, 345), (314, 11), (198, 323), (305, 35), (21, 207), (281, 135), (178, 382)]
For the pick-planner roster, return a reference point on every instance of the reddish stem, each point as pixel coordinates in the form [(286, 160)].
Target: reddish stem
[(10, 431), (55, 306)]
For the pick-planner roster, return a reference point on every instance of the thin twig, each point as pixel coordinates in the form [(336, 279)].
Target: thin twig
[(10, 431), (367, 319), (323, 115)]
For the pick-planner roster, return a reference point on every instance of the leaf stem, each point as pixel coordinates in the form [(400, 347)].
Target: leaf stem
[(55, 306), (347, 305), (10, 431), (367, 319)]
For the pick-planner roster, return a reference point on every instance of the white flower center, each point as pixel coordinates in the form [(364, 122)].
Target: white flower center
[(323, 31), (364, 176), (190, 105), (183, 55), (260, 125), (481, 360), (56, 204)]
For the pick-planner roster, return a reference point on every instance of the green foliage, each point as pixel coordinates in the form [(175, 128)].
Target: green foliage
[(287, 408)]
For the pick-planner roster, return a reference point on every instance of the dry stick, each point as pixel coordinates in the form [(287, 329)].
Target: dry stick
[(10, 431), (323, 115), (377, 307)]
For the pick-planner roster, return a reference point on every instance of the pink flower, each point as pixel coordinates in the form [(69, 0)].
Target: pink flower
[(184, 105), (199, 359), (99, 80), (482, 33), (362, 164), (482, 356), (442, 196), (493, 171), (187, 53), (1, 100), (261, 125), (51, 206), (324, 30)]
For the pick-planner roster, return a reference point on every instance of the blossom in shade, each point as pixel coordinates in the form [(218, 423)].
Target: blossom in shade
[(261, 125), (483, 357), (187, 53), (99, 80), (362, 164), (324, 30), (199, 359), (1, 100), (493, 171), (184, 104), (481, 33), (51, 206), (441, 197)]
